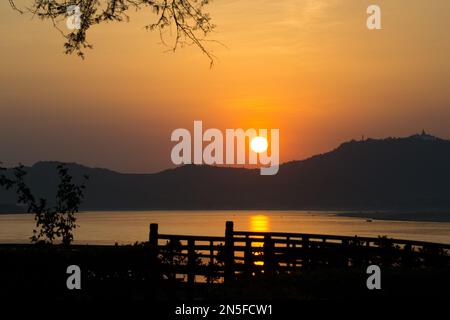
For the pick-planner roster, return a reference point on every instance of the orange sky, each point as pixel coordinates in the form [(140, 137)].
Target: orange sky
[(310, 68)]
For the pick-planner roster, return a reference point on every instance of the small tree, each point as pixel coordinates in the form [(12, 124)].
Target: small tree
[(51, 222)]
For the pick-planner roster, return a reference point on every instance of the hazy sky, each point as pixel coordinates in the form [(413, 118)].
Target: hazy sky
[(308, 67)]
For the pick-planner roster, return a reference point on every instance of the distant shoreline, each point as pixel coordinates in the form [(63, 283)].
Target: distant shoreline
[(400, 216), (431, 216)]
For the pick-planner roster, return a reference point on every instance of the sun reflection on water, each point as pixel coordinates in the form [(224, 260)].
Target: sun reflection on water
[(259, 223)]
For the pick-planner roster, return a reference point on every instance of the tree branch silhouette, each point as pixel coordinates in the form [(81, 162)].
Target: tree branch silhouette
[(192, 24)]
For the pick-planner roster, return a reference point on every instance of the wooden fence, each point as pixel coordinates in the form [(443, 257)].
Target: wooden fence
[(245, 254)]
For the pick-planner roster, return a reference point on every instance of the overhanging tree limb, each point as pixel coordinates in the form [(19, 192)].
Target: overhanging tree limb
[(192, 24)]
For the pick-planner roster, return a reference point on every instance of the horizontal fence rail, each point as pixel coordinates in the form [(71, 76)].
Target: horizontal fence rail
[(236, 255), (244, 254)]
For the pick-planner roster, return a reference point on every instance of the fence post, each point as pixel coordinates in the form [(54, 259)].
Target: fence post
[(154, 268), (268, 254), (191, 261), (346, 252), (153, 239), (294, 255), (248, 257), (229, 252), (289, 254), (153, 236), (305, 251)]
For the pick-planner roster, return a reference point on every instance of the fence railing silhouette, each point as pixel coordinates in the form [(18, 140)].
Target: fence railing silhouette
[(245, 253)]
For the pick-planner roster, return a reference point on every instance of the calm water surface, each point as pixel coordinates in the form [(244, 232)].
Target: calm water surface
[(131, 226)]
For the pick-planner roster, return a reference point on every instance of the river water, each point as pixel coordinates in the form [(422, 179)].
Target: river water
[(130, 226)]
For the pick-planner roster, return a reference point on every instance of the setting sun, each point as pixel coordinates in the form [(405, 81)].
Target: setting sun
[(258, 144)]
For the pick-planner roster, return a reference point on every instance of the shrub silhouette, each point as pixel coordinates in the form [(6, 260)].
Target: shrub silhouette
[(54, 222)]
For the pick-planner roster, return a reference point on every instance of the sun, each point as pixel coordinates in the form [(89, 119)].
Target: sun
[(258, 144)]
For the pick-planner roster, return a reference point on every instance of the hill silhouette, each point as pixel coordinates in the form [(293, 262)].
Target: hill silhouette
[(411, 173)]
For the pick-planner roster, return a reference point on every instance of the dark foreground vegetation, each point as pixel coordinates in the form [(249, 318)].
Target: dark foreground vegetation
[(131, 273)]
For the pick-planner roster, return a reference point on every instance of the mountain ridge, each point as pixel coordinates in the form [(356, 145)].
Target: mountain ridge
[(406, 173)]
